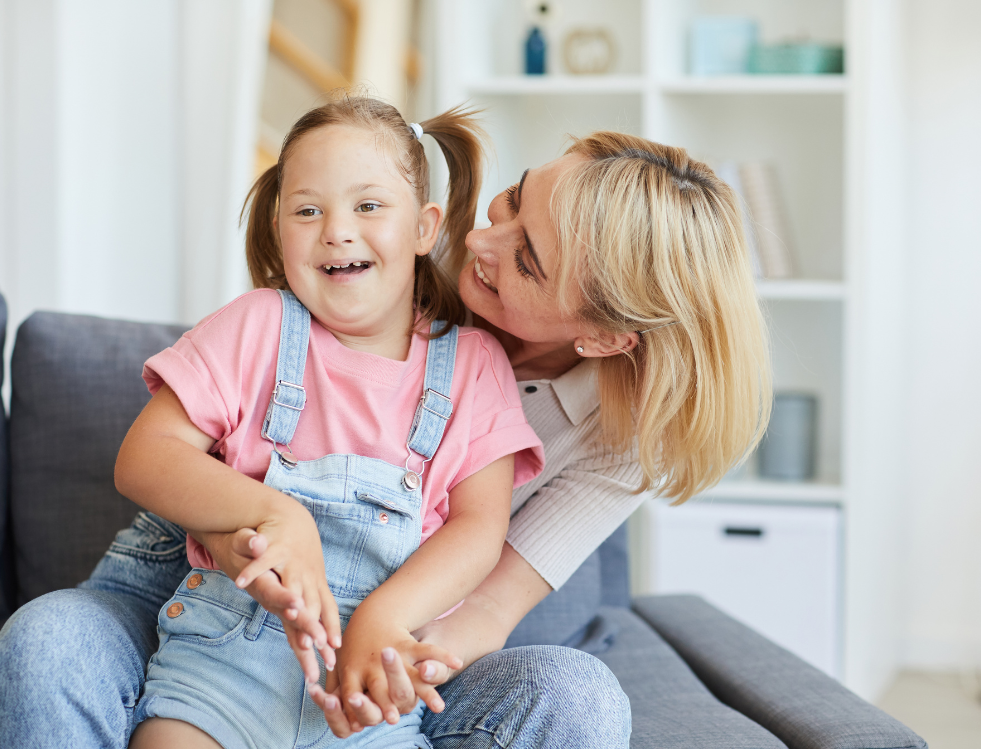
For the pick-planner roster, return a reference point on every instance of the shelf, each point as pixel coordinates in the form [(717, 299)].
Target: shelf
[(802, 289), (757, 84), (758, 490), (558, 84)]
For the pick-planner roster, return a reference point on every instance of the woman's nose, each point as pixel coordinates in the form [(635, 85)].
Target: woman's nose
[(484, 243)]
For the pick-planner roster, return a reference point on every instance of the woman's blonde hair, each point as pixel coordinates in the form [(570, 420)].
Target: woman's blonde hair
[(460, 139), (652, 241)]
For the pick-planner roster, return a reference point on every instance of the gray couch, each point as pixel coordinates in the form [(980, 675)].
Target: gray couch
[(695, 677)]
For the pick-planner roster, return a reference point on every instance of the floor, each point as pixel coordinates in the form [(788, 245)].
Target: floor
[(945, 709)]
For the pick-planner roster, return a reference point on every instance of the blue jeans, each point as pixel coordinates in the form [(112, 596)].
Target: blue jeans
[(73, 664)]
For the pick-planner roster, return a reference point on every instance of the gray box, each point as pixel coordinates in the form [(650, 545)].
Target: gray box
[(787, 451)]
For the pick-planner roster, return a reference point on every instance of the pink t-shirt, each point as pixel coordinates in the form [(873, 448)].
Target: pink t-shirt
[(357, 403)]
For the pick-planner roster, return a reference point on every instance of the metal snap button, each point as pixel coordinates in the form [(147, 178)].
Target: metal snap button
[(175, 609), (195, 580), (411, 481), (383, 517)]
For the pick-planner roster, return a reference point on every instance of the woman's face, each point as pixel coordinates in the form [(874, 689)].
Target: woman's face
[(510, 283)]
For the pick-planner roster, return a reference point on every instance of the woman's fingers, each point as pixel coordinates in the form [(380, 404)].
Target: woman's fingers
[(424, 651), (400, 688), (433, 672), (331, 707), (431, 697), (273, 596), (362, 711)]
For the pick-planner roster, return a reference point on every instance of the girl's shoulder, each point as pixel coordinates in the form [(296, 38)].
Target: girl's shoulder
[(258, 307), (481, 346), (480, 357)]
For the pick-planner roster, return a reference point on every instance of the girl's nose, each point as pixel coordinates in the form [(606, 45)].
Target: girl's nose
[(338, 230)]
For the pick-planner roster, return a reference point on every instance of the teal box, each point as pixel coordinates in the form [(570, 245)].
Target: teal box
[(721, 45), (796, 59)]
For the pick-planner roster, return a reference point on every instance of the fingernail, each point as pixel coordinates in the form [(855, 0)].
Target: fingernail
[(392, 718), (252, 542), (321, 644), (336, 642), (329, 666), (240, 582), (388, 655), (355, 700), (306, 642), (428, 671), (439, 704), (331, 702), (292, 613)]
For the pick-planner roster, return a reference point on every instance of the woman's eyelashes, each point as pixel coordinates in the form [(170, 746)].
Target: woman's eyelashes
[(509, 197), (519, 264)]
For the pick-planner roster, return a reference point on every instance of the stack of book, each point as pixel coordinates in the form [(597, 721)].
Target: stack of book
[(768, 235)]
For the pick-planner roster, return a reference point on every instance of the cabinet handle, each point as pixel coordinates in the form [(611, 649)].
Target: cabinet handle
[(732, 530)]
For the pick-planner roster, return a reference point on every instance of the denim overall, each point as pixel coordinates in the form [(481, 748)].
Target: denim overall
[(224, 663)]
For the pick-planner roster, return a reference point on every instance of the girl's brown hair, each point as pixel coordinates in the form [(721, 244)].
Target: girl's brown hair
[(460, 139), (651, 241)]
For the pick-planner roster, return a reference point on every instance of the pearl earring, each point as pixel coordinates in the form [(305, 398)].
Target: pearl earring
[(580, 350)]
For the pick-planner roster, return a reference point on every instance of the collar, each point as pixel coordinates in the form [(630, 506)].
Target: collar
[(576, 390)]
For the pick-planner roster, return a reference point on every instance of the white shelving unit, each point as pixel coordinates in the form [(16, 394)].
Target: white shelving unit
[(831, 141)]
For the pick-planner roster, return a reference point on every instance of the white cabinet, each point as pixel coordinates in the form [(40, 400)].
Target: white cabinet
[(836, 146), (775, 568)]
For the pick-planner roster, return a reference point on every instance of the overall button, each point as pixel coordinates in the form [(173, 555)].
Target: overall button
[(195, 580), (175, 609), (383, 517)]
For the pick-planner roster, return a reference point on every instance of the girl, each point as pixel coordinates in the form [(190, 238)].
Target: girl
[(356, 474)]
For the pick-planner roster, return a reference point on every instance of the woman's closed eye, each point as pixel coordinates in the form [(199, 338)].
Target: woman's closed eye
[(509, 197), (519, 264)]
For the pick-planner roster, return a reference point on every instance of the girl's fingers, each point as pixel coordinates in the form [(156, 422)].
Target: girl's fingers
[(253, 569), (378, 690), (330, 616), (249, 544), (400, 688), (302, 646)]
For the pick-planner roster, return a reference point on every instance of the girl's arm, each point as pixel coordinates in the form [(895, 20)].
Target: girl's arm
[(441, 573), (164, 466)]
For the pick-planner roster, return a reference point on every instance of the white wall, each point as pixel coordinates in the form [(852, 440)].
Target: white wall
[(943, 486), (127, 148)]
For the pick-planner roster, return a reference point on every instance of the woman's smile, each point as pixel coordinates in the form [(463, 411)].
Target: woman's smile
[(482, 276)]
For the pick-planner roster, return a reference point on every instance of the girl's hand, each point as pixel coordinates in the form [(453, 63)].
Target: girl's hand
[(379, 683), (294, 553), (232, 552)]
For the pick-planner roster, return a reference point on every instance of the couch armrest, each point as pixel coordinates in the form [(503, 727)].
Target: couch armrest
[(796, 702)]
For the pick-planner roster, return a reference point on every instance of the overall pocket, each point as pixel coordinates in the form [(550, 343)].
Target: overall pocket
[(199, 621)]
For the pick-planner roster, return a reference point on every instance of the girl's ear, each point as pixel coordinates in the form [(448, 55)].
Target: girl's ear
[(430, 219), (606, 344)]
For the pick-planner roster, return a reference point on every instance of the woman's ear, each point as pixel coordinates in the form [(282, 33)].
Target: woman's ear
[(606, 344), (430, 219)]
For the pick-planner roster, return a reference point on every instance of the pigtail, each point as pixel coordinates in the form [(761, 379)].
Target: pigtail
[(460, 139), (262, 251)]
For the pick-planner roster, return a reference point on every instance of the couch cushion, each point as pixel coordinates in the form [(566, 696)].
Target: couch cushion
[(77, 387), (803, 706), (670, 707)]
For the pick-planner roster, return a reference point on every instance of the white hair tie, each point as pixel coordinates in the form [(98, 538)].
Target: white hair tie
[(416, 129)]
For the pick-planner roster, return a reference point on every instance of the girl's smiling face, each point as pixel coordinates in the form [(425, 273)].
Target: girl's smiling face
[(350, 228)]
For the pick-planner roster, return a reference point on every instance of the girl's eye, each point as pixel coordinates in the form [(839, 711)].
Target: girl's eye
[(509, 197), (368, 207), (519, 263), (308, 212)]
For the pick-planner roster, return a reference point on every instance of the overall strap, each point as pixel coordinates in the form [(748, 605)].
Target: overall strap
[(435, 408), (288, 396)]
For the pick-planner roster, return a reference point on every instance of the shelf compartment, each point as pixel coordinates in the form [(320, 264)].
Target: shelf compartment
[(558, 84), (804, 289), (756, 84)]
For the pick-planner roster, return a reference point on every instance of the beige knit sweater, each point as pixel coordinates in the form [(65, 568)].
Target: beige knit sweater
[(585, 491)]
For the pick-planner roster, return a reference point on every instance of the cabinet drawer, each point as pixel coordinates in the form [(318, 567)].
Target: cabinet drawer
[(774, 568)]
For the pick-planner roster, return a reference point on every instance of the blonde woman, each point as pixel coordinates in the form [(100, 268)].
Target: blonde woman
[(617, 280)]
